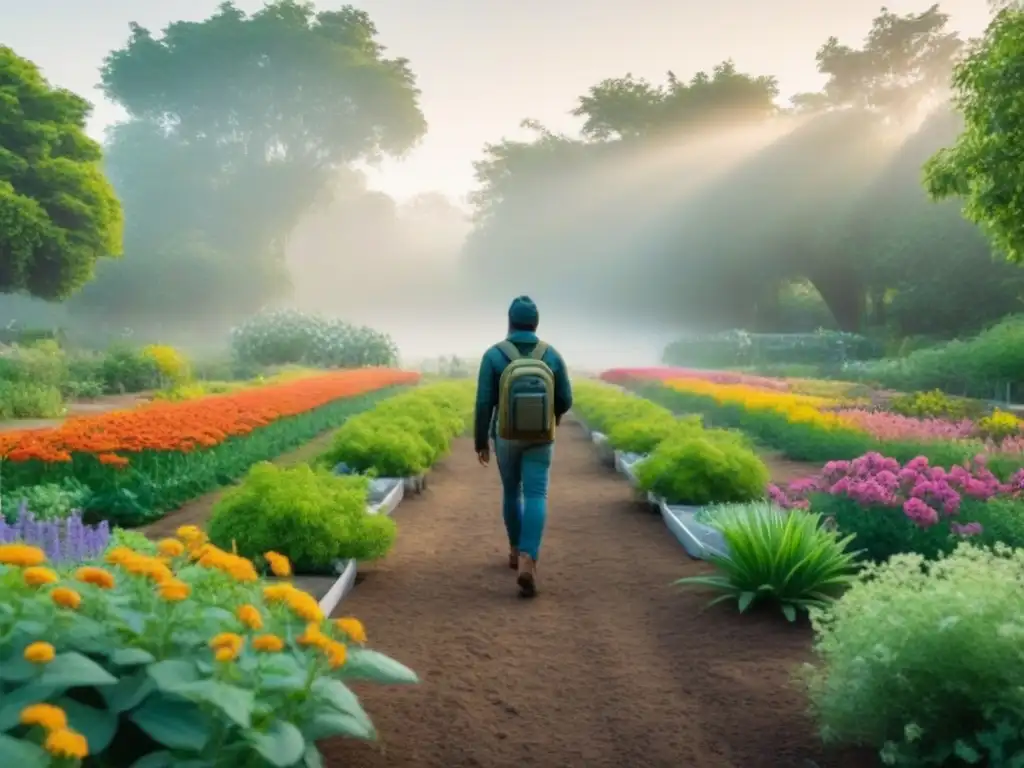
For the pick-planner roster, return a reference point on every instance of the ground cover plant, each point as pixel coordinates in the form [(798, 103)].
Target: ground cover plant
[(920, 660), (312, 516), (186, 658), (405, 435), (142, 462)]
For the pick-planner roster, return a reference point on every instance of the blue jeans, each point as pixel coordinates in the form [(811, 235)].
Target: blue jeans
[(524, 469)]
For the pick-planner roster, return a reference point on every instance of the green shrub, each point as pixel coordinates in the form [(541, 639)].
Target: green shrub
[(931, 405), (786, 558), (921, 660), (136, 540), (25, 400), (125, 369), (644, 435), (602, 406), (698, 470), (385, 450), (50, 501), (405, 435), (311, 516)]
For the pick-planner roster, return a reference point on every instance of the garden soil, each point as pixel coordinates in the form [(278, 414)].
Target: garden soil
[(610, 666)]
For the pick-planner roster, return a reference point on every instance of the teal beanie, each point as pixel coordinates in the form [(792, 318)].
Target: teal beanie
[(523, 313)]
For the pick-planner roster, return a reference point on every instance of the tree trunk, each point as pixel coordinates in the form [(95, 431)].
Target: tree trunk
[(842, 290)]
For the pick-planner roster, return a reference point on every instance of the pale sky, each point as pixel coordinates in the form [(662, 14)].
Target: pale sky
[(484, 65)]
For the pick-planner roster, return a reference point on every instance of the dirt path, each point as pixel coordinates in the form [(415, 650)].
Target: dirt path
[(609, 666)]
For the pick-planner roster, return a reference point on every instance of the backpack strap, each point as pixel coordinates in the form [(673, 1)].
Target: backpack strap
[(509, 349), (539, 350)]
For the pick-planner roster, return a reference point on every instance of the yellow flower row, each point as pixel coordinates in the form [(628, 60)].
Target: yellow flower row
[(796, 408), (191, 546)]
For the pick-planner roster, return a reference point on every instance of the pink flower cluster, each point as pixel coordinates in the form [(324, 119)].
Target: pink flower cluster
[(892, 426), (667, 373), (926, 494)]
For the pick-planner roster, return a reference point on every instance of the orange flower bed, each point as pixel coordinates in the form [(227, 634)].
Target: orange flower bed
[(186, 426)]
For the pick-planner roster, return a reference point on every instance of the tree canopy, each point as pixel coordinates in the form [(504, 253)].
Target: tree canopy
[(58, 213), (703, 201), (237, 126), (984, 164)]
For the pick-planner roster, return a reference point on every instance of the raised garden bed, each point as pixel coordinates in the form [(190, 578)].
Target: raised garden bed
[(605, 452), (698, 539)]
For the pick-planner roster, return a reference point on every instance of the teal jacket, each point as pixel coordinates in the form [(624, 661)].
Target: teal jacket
[(493, 365)]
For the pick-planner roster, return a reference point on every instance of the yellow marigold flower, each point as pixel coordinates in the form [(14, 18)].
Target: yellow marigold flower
[(279, 564), (228, 640), (226, 654), (21, 555), (67, 744), (66, 597), (353, 629), (238, 568), (118, 555), (151, 568), (46, 716), (174, 591), (312, 637), (267, 643), (277, 593), (189, 533), (40, 653), (304, 605), (170, 548), (92, 575), (37, 576), (336, 654), (250, 616)]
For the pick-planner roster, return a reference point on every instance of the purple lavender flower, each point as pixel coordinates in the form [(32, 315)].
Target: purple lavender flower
[(64, 541)]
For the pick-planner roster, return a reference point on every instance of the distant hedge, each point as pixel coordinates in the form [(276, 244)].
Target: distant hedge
[(733, 349)]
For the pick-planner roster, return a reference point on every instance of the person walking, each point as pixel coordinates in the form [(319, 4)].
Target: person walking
[(522, 392)]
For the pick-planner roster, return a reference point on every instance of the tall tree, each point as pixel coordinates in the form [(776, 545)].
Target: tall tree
[(58, 213), (984, 164), (236, 125)]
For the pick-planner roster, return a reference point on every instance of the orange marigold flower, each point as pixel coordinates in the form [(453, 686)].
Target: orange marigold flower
[(40, 653), (46, 716), (353, 629), (170, 548), (66, 743), (304, 605), (66, 597), (174, 591), (21, 555), (279, 564), (267, 643), (249, 615), (337, 654), (312, 637), (96, 576), (277, 593), (112, 460), (37, 576)]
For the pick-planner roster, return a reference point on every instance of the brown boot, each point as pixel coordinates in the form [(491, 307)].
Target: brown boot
[(513, 558), (527, 579)]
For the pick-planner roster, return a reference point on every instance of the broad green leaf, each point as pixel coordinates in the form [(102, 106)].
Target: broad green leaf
[(73, 670), (312, 758), (16, 669), (339, 696), (171, 674), (364, 664), (21, 754), (131, 657), (97, 725), (281, 745), (128, 692), (173, 723), (333, 723), (161, 759), (236, 703), (13, 702)]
